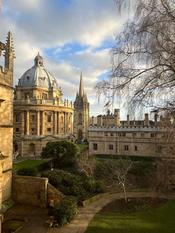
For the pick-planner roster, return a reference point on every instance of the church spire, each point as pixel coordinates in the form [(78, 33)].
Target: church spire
[(81, 88), (9, 53)]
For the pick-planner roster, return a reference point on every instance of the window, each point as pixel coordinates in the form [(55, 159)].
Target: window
[(126, 147), (111, 134), (26, 95), (18, 117), (33, 117), (48, 129), (33, 131), (135, 148), (152, 135), (123, 134), (44, 96), (142, 135), (49, 118), (17, 130), (95, 146), (111, 147), (134, 135), (159, 149), (106, 134)]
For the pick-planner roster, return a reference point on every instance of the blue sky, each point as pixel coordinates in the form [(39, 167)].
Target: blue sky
[(71, 35)]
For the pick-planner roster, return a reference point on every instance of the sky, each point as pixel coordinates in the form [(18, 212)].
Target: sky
[(71, 35)]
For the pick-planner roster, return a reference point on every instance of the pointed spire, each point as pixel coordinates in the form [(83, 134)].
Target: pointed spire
[(9, 52), (81, 88), (9, 44)]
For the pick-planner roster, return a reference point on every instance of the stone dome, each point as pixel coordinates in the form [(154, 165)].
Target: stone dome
[(38, 76)]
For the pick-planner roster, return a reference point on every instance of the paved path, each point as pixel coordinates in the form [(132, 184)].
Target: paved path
[(35, 218), (86, 214)]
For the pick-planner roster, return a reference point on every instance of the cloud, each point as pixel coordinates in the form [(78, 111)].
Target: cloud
[(70, 34)]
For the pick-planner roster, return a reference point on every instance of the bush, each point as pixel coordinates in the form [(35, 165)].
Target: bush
[(64, 153), (75, 185), (27, 172), (65, 211)]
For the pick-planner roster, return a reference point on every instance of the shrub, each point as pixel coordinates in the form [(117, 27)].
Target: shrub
[(27, 172), (75, 185), (64, 153), (65, 211)]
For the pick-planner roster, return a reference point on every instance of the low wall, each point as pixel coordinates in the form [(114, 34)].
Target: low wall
[(34, 191), (54, 196), (30, 190)]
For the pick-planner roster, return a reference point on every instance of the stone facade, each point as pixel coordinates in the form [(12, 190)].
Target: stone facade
[(6, 119), (40, 114), (81, 114), (131, 138)]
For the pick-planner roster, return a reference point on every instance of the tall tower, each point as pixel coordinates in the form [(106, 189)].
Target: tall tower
[(81, 113)]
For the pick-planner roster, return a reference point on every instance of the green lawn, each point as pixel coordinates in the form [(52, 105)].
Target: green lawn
[(29, 164), (155, 220)]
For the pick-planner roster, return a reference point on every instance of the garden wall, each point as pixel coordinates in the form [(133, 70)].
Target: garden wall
[(34, 191)]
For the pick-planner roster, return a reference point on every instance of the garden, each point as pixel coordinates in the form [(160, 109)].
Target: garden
[(139, 215)]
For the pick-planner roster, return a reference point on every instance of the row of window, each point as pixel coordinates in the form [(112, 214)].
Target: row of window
[(111, 147), (33, 118), (152, 135), (49, 130)]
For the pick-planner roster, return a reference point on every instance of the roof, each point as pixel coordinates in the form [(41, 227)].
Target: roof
[(38, 76)]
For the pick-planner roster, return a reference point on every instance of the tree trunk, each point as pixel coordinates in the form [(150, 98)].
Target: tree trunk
[(125, 194)]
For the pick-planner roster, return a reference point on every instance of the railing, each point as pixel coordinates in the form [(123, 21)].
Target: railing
[(65, 103)]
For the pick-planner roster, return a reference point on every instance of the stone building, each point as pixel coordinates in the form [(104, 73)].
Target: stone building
[(150, 138), (113, 120), (6, 118), (81, 113), (40, 114)]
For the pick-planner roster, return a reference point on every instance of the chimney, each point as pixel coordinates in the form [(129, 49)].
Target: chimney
[(128, 121), (146, 121)]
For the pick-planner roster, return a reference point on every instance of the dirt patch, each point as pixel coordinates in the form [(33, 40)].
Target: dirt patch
[(133, 205)]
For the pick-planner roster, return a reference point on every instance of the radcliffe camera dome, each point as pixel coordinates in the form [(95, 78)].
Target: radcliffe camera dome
[(38, 76)]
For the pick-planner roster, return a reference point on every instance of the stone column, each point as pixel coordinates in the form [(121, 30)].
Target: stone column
[(58, 122), (64, 123), (38, 123), (42, 123), (22, 123), (55, 123), (27, 123)]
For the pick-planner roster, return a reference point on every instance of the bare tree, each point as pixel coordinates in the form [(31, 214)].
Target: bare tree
[(116, 172), (144, 56), (86, 164)]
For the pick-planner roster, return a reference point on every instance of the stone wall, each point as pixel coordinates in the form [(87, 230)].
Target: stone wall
[(34, 191), (53, 195)]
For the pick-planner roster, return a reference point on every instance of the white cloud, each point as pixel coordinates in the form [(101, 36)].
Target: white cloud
[(37, 24)]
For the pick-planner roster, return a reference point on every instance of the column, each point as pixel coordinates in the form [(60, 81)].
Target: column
[(64, 123), (22, 123), (58, 122), (42, 123), (27, 123), (38, 123), (55, 123)]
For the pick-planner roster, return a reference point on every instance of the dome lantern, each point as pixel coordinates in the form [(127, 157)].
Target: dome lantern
[(38, 60)]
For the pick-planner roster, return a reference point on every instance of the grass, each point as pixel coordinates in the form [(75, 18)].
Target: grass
[(152, 220), (29, 164), (82, 147), (12, 225)]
